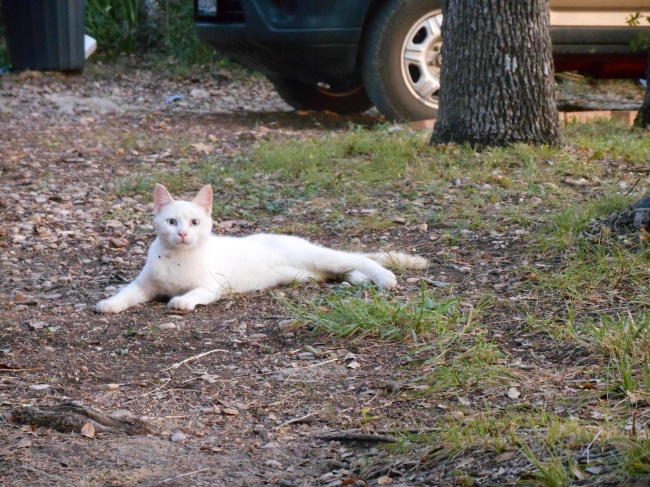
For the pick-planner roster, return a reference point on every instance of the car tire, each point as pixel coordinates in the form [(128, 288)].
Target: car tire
[(401, 58), (346, 100)]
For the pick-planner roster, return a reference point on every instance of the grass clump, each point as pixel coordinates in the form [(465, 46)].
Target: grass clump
[(363, 312), (625, 342)]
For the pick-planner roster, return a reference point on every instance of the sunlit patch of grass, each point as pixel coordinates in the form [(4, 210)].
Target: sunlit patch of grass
[(364, 312), (380, 156), (359, 156), (611, 140), (453, 348)]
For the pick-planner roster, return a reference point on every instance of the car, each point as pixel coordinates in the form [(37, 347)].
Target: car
[(346, 56)]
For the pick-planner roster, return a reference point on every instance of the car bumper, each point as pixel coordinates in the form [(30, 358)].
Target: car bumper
[(603, 53)]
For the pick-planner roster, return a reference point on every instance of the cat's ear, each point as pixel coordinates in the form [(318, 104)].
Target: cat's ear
[(204, 199), (161, 198)]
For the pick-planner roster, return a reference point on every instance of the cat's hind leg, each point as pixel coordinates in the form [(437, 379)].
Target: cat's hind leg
[(358, 267), (128, 296), (191, 299)]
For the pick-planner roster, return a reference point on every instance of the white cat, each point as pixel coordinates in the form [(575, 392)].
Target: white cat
[(192, 266)]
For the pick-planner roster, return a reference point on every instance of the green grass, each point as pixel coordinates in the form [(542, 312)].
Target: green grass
[(119, 28), (625, 342), (362, 312), (361, 156), (114, 24)]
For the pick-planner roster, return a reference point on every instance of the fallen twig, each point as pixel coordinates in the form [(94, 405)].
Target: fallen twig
[(183, 475), (304, 419), (153, 390), (310, 366), (34, 369), (194, 357)]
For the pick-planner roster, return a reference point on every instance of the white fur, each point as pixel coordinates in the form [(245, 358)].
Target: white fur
[(192, 266)]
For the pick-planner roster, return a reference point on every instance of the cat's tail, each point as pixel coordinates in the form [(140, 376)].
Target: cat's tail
[(399, 260)]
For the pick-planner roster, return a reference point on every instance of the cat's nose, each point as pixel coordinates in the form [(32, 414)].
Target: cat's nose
[(182, 235)]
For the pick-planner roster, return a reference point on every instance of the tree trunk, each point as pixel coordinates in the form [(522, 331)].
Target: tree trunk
[(497, 85), (643, 117)]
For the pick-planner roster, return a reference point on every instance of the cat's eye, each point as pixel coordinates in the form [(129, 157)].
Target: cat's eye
[(195, 222), (172, 222)]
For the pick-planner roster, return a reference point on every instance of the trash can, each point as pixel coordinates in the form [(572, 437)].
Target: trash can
[(45, 34)]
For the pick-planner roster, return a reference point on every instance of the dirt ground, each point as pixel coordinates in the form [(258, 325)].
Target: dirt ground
[(252, 401)]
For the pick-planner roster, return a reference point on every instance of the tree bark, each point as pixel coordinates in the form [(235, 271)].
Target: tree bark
[(643, 117), (497, 78)]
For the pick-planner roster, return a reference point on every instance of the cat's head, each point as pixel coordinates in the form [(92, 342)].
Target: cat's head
[(182, 225)]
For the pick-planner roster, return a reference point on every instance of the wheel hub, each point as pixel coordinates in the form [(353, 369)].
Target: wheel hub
[(422, 57)]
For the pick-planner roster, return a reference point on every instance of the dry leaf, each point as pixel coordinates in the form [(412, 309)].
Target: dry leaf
[(88, 430), (458, 415), (513, 393), (213, 449), (638, 397), (384, 480), (201, 147), (118, 243), (230, 412), (178, 437), (504, 457), (210, 378), (580, 182), (577, 473), (24, 443), (351, 481), (354, 365)]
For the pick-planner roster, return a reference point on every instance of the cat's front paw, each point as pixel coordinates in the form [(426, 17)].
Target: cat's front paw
[(386, 280), (182, 303), (109, 306)]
